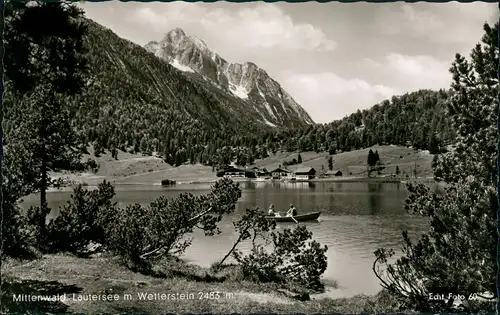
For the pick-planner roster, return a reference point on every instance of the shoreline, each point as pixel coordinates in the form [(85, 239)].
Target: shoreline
[(94, 182), (138, 170)]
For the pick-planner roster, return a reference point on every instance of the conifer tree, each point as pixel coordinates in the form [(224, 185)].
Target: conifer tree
[(458, 255), (43, 63)]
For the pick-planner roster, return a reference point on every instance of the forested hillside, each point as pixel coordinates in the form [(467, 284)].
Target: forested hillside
[(135, 101), (418, 119)]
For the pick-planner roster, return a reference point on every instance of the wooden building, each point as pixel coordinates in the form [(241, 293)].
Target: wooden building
[(305, 173), (260, 173), (231, 172), (280, 173), (333, 173)]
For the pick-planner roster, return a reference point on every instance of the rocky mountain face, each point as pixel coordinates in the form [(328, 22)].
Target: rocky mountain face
[(133, 99), (246, 84)]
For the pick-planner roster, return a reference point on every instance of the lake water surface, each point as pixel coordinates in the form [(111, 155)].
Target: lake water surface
[(356, 219)]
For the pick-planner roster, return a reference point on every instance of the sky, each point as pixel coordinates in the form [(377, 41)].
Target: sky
[(332, 58)]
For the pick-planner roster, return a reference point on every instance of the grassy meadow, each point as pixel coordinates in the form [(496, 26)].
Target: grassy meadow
[(148, 170)]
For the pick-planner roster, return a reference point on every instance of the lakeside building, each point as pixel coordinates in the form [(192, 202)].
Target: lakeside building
[(333, 173), (304, 173), (259, 173), (280, 173), (231, 172)]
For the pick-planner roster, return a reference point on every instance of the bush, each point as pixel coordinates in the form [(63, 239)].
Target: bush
[(82, 220), (167, 182), (433, 264), (17, 240), (35, 215), (251, 225), (141, 233), (129, 234), (18, 179), (92, 165), (293, 258)]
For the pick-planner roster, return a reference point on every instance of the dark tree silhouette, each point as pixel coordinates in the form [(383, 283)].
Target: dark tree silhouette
[(44, 60), (458, 255)]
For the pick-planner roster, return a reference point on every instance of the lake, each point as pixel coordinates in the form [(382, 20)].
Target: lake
[(356, 219)]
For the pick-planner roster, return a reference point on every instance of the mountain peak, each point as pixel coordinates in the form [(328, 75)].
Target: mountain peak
[(246, 81), (177, 31), (175, 35)]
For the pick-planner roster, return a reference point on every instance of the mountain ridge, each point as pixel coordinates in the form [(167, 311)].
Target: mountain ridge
[(136, 101), (246, 81)]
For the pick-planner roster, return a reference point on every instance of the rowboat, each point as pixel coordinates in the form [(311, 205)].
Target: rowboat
[(303, 217)]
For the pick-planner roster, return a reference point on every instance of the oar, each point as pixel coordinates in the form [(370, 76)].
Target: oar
[(294, 219)]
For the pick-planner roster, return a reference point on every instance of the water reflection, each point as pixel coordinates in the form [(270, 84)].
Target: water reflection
[(276, 184), (374, 189), (356, 219)]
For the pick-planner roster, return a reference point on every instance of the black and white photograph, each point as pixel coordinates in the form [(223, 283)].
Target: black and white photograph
[(249, 157)]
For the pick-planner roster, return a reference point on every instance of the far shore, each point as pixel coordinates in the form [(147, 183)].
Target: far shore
[(138, 170), (92, 184)]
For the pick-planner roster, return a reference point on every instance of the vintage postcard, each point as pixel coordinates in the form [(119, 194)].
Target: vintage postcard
[(249, 157)]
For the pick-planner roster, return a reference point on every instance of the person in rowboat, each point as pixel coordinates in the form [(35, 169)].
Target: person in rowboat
[(292, 212), (271, 210)]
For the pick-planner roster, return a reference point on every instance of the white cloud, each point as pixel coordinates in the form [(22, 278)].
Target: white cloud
[(261, 26), (418, 72), (410, 73), (265, 32), (445, 23), (326, 96)]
